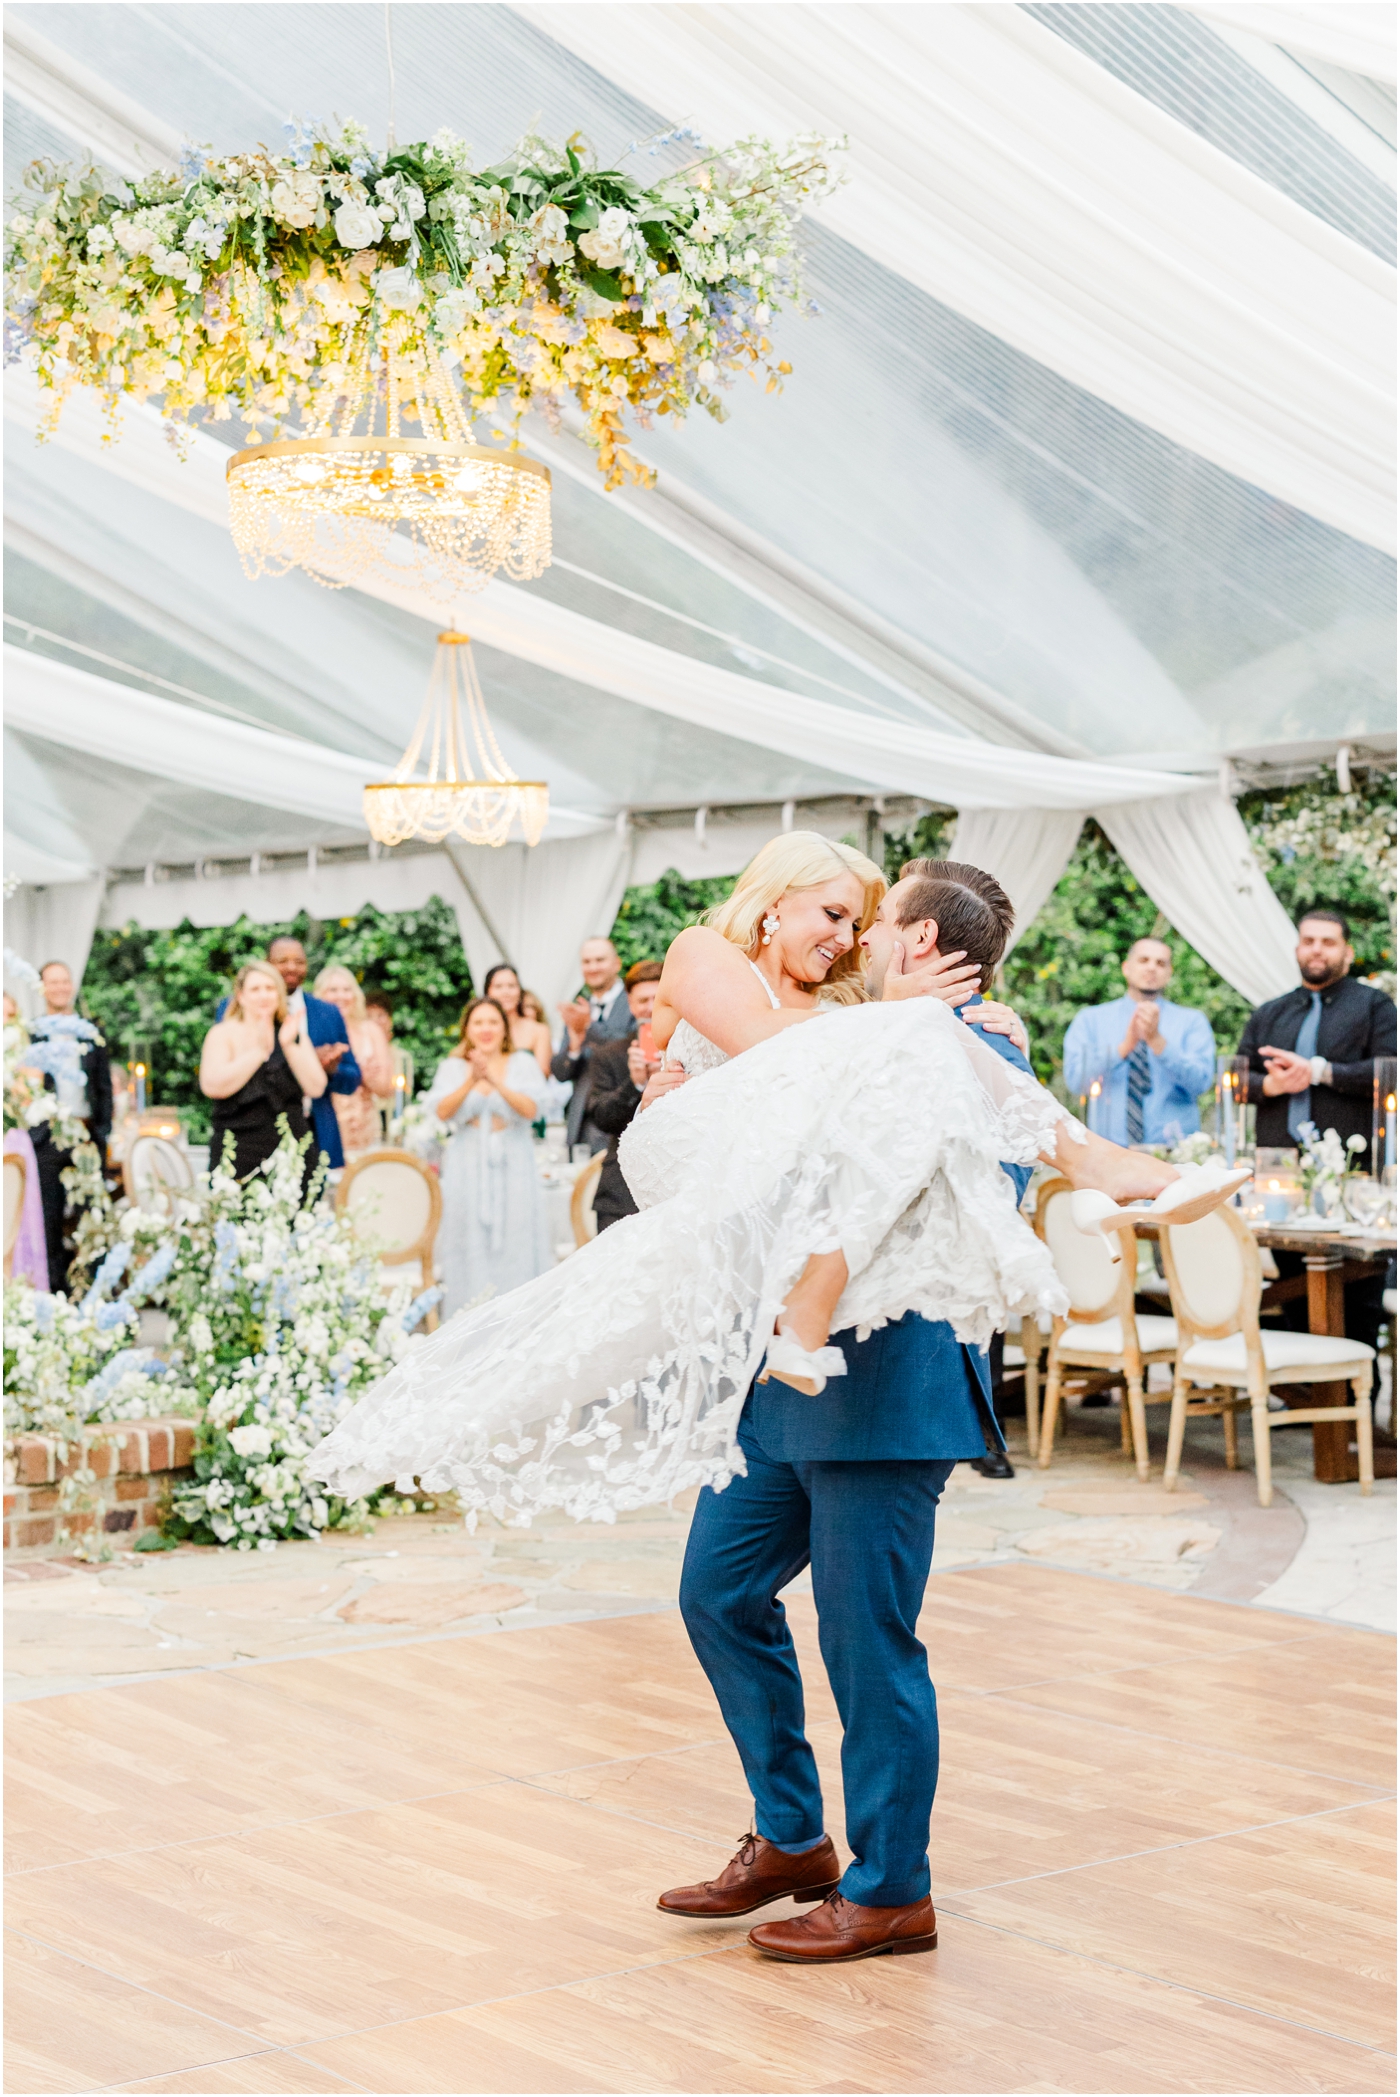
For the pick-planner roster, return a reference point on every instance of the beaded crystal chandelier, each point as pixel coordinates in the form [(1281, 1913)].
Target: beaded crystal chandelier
[(479, 806), (329, 502)]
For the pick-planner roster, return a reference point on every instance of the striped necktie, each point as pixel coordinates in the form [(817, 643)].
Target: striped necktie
[(1139, 1085)]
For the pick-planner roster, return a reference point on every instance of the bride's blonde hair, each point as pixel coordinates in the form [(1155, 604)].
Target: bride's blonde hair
[(797, 860)]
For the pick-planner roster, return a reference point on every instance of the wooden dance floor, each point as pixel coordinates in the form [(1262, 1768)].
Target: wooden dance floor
[(1161, 1862)]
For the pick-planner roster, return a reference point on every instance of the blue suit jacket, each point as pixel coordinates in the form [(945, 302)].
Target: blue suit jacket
[(911, 1391), (326, 1023)]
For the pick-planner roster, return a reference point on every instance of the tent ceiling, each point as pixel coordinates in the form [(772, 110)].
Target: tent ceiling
[(929, 527)]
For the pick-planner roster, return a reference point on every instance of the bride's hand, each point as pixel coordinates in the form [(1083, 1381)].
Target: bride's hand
[(1001, 1019), (951, 977)]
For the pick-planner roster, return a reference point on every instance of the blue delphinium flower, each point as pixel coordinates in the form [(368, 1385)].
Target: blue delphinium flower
[(420, 1307), (106, 1277)]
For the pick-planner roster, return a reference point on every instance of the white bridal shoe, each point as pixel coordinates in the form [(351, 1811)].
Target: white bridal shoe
[(1200, 1189), (790, 1362)]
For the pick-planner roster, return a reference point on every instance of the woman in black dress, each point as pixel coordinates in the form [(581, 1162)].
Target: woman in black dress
[(257, 1065)]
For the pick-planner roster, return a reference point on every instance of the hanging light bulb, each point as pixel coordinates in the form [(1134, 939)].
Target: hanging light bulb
[(329, 502), (481, 805)]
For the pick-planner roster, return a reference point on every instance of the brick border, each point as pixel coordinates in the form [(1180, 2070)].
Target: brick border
[(134, 1462)]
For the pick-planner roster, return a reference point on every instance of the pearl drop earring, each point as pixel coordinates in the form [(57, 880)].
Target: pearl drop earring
[(770, 926)]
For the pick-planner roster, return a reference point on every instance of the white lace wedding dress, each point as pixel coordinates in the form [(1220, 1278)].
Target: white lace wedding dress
[(617, 1379)]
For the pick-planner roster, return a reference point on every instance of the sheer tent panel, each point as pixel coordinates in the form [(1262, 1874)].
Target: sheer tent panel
[(905, 426), (1072, 492), (998, 167)]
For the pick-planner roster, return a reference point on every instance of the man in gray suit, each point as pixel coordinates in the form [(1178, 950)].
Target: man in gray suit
[(599, 1013)]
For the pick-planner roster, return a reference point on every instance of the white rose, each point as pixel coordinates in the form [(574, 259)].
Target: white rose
[(605, 246), (614, 342), (251, 1441), (295, 200), (357, 226), (399, 289)]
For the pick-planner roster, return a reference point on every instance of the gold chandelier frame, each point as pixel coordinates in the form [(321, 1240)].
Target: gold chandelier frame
[(453, 799), (329, 502)]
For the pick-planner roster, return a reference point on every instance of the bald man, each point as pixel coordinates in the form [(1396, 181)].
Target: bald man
[(1153, 1058)]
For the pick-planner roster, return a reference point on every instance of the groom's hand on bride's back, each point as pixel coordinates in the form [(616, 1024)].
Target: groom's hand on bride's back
[(951, 977), (660, 1083)]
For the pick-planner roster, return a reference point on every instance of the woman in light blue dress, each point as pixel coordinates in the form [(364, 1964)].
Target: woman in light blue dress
[(493, 1234)]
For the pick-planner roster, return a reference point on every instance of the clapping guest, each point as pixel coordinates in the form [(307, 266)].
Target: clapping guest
[(356, 1112), (324, 1029), (619, 1077), (503, 985), (1153, 1058), (598, 1014), (256, 1065), (493, 1234)]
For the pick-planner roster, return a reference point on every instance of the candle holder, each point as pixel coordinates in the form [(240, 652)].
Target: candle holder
[(1278, 1184), (1231, 1106), (1383, 1117)]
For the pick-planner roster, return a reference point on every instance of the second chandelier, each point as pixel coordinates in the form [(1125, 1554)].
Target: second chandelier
[(467, 792)]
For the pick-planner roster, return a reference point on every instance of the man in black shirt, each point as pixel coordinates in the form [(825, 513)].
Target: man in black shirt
[(1312, 1056), (1311, 1052), (86, 1094)]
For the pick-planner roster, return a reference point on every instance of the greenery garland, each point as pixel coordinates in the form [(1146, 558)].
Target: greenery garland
[(259, 284)]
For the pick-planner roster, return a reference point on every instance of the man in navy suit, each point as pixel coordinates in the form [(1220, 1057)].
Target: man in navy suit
[(847, 1482), (325, 1030)]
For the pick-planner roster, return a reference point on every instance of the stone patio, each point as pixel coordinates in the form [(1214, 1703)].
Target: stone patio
[(1319, 1550)]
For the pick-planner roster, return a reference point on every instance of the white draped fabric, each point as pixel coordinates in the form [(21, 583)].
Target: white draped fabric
[(544, 903), (1026, 849), (1358, 35), (1191, 853), (54, 924), (889, 755), (72, 707), (1012, 178)]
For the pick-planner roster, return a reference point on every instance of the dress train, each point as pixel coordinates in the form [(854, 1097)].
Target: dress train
[(616, 1379)]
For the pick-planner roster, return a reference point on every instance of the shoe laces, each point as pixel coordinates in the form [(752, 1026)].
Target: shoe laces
[(748, 1848)]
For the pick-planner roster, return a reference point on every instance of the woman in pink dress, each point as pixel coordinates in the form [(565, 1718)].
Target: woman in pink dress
[(355, 1111)]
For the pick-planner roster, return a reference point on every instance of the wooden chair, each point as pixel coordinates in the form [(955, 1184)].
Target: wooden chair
[(1214, 1271), (16, 1178), (393, 1197), (1026, 1355), (154, 1171), (581, 1213), (1102, 1332)]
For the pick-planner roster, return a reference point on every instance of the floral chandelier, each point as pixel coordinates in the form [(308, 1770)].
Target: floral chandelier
[(362, 313), (482, 807)]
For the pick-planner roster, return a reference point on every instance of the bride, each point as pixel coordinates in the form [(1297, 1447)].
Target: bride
[(828, 1177)]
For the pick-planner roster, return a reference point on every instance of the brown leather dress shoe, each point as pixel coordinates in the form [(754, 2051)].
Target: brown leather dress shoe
[(839, 1929), (756, 1875)]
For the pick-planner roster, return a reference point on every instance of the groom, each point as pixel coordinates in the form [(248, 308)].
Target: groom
[(848, 1483)]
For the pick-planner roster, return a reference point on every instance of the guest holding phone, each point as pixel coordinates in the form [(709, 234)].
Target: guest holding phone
[(620, 1070)]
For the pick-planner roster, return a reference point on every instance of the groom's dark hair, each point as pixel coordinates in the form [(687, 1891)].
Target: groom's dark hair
[(973, 911)]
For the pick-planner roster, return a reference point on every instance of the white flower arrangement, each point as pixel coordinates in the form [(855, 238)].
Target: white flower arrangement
[(279, 1323), (69, 1364), (1324, 1165), (250, 284)]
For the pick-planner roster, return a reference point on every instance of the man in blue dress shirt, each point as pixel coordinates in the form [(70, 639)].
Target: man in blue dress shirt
[(847, 1482), (1153, 1058)]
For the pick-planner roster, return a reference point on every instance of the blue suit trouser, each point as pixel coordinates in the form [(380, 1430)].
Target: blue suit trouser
[(866, 1529)]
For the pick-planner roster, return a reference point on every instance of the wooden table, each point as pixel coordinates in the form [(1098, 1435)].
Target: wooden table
[(1331, 1259)]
